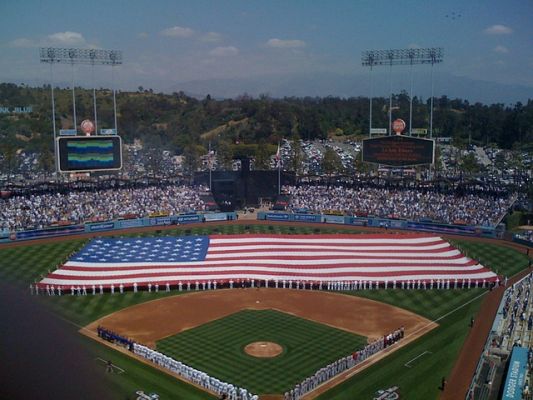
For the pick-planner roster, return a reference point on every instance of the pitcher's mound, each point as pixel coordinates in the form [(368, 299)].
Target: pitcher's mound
[(263, 349)]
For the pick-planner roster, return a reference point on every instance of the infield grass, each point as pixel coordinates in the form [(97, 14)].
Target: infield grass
[(23, 265), (218, 349)]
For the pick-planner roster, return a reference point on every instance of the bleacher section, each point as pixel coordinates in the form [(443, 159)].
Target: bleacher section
[(512, 329)]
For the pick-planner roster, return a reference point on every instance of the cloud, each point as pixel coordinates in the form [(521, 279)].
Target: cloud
[(177, 31), (501, 49), (142, 35), (285, 43), (498, 30), (66, 38), (414, 46), (224, 51), (63, 39), (211, 37), (23, 43)]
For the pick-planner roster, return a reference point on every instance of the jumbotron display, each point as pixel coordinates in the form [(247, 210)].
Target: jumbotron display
[(89, 153), (399, 151)]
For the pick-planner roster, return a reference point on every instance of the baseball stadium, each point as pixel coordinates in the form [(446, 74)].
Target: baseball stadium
[(172, 246)]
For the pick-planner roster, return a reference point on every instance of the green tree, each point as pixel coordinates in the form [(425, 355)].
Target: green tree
[(46, 159), (224, 154), (262, 157), (331, 163), (469, 165), (10, 160), (191, 160), (296, 156), (359, 165)]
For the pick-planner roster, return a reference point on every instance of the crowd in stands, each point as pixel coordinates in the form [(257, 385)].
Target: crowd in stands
[(42, 210), (525, 235), (469, 209), (517, 315), (512, 328)]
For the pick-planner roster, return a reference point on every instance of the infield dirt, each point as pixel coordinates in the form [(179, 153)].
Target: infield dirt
[(149, 322), (155, 320)]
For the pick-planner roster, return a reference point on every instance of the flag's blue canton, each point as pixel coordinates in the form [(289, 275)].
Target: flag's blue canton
[(131, 250)]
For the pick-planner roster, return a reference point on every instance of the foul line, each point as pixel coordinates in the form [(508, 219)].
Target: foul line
[(418, 356), (447, 314), (121, 371)]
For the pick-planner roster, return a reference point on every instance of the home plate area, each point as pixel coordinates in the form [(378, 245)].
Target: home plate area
[(269, 341)]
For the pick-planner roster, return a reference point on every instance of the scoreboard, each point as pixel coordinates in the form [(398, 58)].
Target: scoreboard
[(399, 151), (89, 153)]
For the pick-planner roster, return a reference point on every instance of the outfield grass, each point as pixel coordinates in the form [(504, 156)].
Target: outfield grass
[(23, 265), (436, 352), (139, 376), (218, 349), (503, 260)]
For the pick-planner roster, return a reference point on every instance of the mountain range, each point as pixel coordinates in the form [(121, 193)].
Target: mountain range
[(353, 85)]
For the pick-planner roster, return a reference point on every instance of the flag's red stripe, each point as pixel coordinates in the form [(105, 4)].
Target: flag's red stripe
[(325, 246), (370, 253), (58, 275), (329, 257), (392, 236), (238, 263)]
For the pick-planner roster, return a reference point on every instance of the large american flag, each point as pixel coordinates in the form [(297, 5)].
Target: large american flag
[(309, 258)]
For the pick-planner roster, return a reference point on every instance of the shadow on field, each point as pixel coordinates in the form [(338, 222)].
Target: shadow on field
[(41, 356)]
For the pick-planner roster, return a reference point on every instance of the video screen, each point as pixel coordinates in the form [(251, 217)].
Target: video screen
[(89, 153)]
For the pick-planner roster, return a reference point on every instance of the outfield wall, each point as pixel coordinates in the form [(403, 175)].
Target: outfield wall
[(521, 241), (376, 222), (6, 236)]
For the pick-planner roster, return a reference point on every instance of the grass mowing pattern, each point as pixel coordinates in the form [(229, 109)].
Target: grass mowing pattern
[(502, 260), (422, 380), (139, 376), (22, 265), (431, 304), (217, 348)]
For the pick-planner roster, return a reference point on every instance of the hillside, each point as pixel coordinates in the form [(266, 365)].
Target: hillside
[(177, 122)]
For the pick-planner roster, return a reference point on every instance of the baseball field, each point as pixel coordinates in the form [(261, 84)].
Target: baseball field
[(217, 344)]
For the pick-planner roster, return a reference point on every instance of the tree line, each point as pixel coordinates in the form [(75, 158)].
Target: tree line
[(253, 126)]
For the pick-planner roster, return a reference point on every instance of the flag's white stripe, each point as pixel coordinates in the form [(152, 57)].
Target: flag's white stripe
[(352, 249), (323, 240), (367, 261), (355, 253), (297, 253), (171, 278), (318, 271), (292, 257)]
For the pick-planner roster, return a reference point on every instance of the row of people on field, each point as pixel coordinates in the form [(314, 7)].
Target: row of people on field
[(339, 366)]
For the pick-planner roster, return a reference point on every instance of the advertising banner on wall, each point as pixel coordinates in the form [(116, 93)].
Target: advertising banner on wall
[(307, 217), (277, 217), (215, 217), (101, 226), (184, 219)]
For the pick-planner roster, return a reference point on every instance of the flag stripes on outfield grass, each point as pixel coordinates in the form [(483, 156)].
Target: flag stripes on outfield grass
[(224, 258)]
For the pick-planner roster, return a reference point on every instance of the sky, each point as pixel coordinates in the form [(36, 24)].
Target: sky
[(167, 43)]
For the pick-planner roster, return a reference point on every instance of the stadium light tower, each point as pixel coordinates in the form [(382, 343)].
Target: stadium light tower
[(433, 55), (72, 56)]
